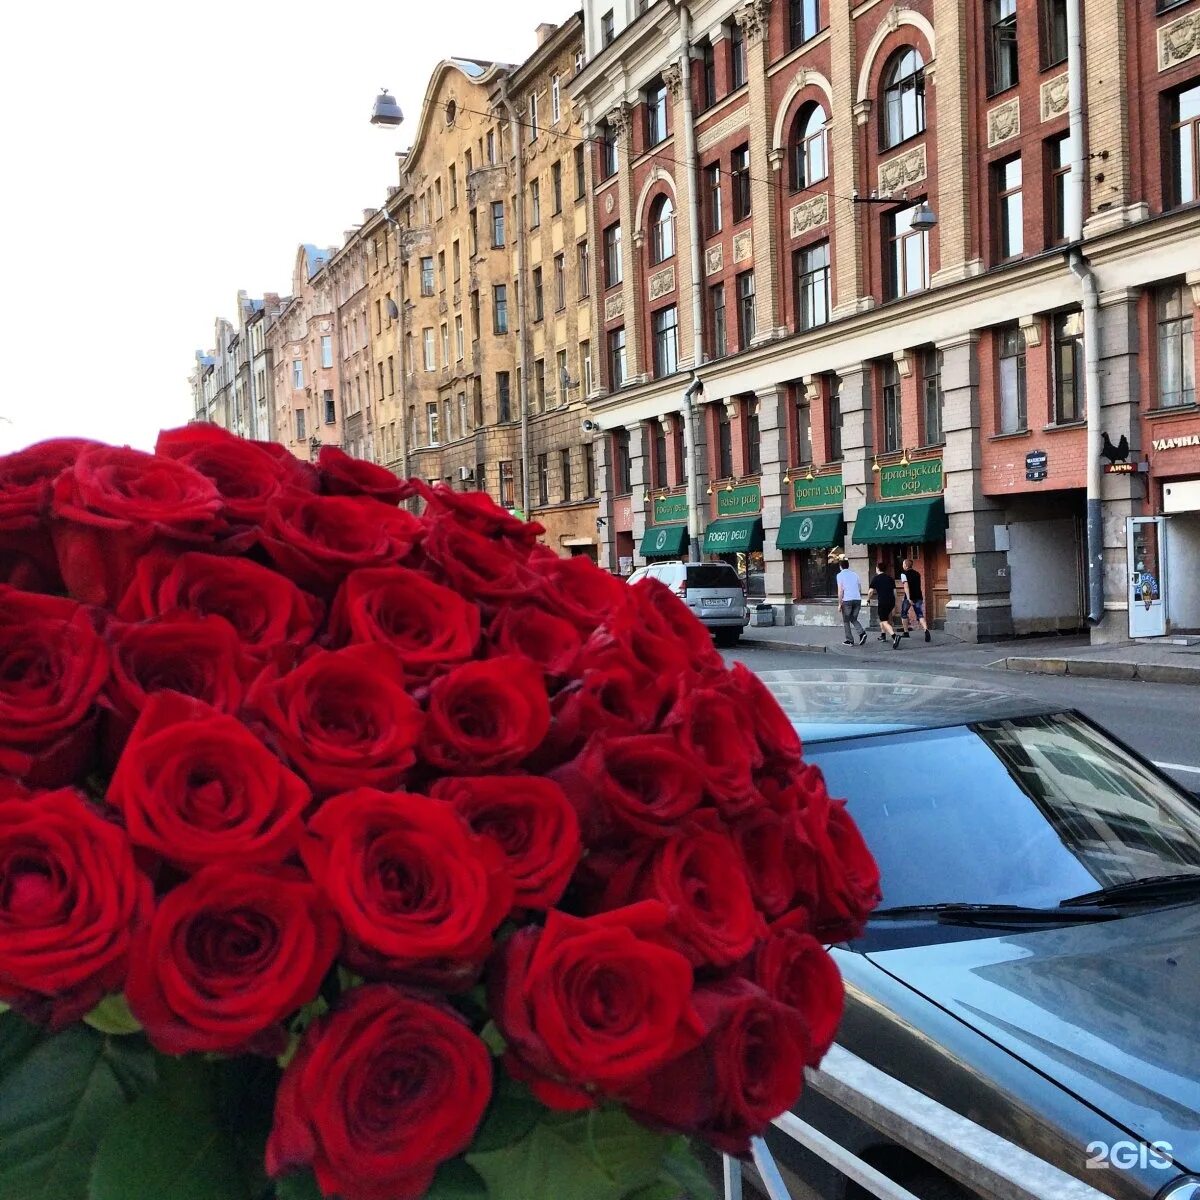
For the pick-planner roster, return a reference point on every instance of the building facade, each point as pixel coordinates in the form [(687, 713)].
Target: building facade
[(905, 259)]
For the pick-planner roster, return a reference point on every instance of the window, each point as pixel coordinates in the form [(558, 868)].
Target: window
[(613, 269), (903, 97), (931, 414), (809, 148), (740, 171), (737, 55), (300, 425), (535, 204), (560, 282), (477, 400), (908, 259), (589, 470), (712, 191), (481, 477), (555, 100), (427, 276), (412, 424), (662, 230), (585, 359), (1068, 368), (330, 407), (500, 308), (621, 465), (438, 210), (556, 186), (427, 339), (1058, 161), (656, 113), (803, 413), (391, 364), (608, 150), (491, 147), (708, 75), (753, 440), (507, 497), (833, 417), (724, 443), (585, 270), (745, 315), (681, 457), (1006, 184), (431, 424), (447, 421), (719, 344), (462, 413), (616, 358), (326, 350), (503, 398), (666, 341), (804, 21), (297, 373), (1013, 410), (890, 407), (453, 187), (442, 270), (475, 316), (460, 349), (533, 117), (608, 29), (580, 172), (1054, 33), (564, 474), (543, 478), (539, 302), (473, 233), (456, 260), (1001, 44), (539, 384), (660, 456), (445, 345), (562, 376), (1176, 350), (497, 235), (811, 267), (1185, 146)]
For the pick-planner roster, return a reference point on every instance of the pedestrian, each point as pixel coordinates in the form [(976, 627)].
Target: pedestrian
[(883, 589), (849, 603), (914, 597)]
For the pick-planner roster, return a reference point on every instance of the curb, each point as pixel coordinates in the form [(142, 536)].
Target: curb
[(1087, 668), (789, 647)]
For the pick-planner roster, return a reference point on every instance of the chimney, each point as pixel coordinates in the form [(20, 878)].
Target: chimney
[(544, 32), (348, 235), (368, 213)]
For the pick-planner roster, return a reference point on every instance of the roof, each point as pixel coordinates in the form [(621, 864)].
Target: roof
[(828, 704), (475, 71), (315, 258)]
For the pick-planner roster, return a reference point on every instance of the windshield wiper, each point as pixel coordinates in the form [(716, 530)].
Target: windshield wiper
[(996, 914), (1156, 887)]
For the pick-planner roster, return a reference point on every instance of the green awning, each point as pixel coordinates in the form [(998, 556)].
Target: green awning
[(734, 533), (812, 529), (664, 541), (909, 521)]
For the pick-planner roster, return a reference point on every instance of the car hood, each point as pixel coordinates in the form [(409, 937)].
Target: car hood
[(1110, 1012)]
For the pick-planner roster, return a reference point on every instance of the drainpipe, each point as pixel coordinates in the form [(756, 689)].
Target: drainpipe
[(514, 125), (1082, 270), (693, 184), (695, 388)]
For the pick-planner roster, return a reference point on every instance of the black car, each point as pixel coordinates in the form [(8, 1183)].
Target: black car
[(1035, 962)]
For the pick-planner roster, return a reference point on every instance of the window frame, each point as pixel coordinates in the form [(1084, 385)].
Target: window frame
[(1001, 47), (1062, 339), (932, 363), (657, 123), (664, 324), (1180, 342), (807, 274), (744, 291), (1181, 130), (738, 72), (614, 257), (1008, 202), (1013, 351), (617, 363), (1053, 51), (739, 174), (898, 250), (833, 419), (891, 430), (719, 321), (800, 147), (500, 322), (895, 87), (799, 30), (662, 230)]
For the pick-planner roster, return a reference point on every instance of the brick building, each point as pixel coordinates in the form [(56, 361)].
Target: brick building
[(765, 177)]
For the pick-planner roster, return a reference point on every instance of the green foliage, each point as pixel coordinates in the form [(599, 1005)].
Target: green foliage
[(112, 1016)]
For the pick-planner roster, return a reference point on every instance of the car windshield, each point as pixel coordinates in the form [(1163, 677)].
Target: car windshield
[(712, 575), (1026, 811)]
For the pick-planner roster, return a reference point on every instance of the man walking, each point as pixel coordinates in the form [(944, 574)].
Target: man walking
[(883, 589), (849, 604), (914, 597)]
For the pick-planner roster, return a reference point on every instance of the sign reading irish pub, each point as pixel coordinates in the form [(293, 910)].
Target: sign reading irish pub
[(741, 500), (923, 478), (825, 491)]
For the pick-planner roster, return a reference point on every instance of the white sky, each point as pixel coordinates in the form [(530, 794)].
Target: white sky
[(158, 157)]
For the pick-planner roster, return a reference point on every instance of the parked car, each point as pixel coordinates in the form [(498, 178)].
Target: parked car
[(711, 590), (1035, 962)]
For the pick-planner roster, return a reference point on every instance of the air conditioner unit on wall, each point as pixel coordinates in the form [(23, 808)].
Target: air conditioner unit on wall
[(465, 474)]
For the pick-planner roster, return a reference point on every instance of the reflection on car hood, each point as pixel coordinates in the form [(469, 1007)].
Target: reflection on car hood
[(1111, 1012)]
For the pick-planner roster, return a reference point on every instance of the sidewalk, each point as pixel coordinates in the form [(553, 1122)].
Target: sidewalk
[(1159, 661)]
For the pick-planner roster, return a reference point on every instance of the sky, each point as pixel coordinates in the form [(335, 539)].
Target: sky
[(161, 156)]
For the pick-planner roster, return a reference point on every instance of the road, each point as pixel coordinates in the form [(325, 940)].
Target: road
[(1158, 720)]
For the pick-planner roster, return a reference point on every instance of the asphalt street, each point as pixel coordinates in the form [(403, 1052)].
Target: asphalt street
[(1160, 721)]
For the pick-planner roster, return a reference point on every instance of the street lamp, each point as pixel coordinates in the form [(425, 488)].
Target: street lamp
[(386, 111), (923, 218)]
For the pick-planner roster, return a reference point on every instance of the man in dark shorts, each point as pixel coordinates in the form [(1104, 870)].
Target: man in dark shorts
[(883, 590), (914, 597)]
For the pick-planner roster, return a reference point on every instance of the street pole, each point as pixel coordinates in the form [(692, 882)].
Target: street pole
[(694, 389)]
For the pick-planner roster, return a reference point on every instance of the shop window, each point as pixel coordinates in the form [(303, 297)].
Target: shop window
[(903, 114), (818, 577), (1176, 349)]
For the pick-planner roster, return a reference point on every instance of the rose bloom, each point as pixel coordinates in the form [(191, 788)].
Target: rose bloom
[(342, 719), (592, 1004), (846, 872), (532, 822), (771, 859), (196, 786), (528, 632), (573, 590), (418, 894), (383, 1090), (229, 954), (52, 667), (270, 613), (71, 901), (715, 734), (484, 715), (111, 506), (343, 475)]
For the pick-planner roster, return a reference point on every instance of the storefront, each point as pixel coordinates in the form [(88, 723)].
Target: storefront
[(667, 536), (807, 535), (623, 535), (736, 536), (1175, 458)]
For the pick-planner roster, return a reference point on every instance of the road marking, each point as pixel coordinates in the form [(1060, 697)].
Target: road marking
[(1178, 767)]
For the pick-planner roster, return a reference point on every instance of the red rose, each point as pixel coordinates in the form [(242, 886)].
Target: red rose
[(715, 734), (748, 1069), (592, 1004), (294, 472), (698, 875), (478, 566), (485, 715), (531, 821), (430, 627), (612, 700), (270, 613), (112, 506), (52, 667), (418, 894), (341, 719), (477, 512), (665, 622), (574, 590), (795, 969), (71, 900), (777, 739), (342, 475), (533, 633), (196, 787), (229, 954), (847, 874), (382, 1091), (770, 858), (318, 540)]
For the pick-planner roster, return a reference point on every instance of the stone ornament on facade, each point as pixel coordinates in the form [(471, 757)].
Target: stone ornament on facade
[(609, 203), (1179, 41), (731, 407), (1004, 122), (714, 260), (904, 170), (661, 282), (620, 121), (812, 214), (743, 246), (667, 421), (1055, 96), (673, 78), (614, 307), (754, 18), (722, 129)]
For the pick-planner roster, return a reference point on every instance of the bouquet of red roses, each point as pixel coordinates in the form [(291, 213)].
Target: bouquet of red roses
[(350, 852)]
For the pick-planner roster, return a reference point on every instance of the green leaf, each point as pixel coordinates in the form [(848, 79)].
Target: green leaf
[(112, 1015), (657, 1191), (456, 1181), (512, 1113), (300, 1185), (682, 1166), (628, 1152), (58, 1095), (493, 1039)]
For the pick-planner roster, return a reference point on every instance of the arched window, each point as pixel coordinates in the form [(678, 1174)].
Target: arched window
[(903, 113), (809, 149), (662, 230)]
